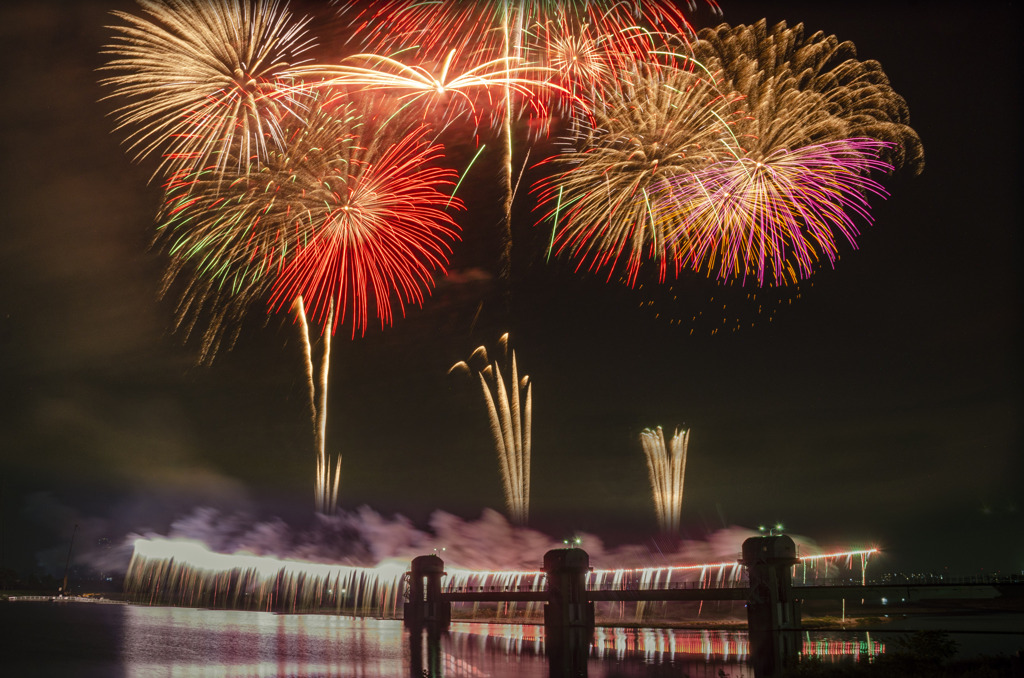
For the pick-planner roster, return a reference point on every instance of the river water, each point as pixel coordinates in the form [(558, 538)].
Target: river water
[(105, 640)]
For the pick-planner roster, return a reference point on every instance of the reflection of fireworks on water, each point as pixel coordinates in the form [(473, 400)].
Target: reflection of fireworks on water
[(667, 469), (510, 411), (656, 645), (202, 79)]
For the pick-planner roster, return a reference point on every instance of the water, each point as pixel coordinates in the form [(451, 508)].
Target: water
[(93, 640)]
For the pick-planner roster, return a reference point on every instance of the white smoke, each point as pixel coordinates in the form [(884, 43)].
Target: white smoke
[(366, 538)]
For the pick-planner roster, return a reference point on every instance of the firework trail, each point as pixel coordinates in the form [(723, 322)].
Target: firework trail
[(203, 80), (378, 231), (743, 217), (654, 128), (666, 470), (510, 412)]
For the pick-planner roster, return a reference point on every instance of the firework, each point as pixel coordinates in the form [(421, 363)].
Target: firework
[(442, 91), (228, 233), (347, 215), (510, 412), (491, 28), (379, 232), (202, 79), (808, 90), (781, 213), (548, 37), (666, 470), (656, 127)]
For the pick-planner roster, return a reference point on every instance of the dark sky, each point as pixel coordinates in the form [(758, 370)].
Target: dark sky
[(878, 403)]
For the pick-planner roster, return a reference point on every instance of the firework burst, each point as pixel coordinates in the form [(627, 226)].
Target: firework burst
[(656, 127), (802, 90), (510, 412), (347, 215), (378, 233), (781, 213), (202, 80), (440, 91), (229, 234)]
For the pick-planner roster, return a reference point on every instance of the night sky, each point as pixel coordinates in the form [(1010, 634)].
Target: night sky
[(878, 403)]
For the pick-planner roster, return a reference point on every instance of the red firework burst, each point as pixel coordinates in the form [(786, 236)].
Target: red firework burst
[(380, 237)]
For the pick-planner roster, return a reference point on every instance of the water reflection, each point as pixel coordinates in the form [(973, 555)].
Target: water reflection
[(111, 641), (189, 643)]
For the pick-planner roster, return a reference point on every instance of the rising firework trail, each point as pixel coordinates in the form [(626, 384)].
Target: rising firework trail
[(325, 485), (666, 468), (203, 80), (510, 412)]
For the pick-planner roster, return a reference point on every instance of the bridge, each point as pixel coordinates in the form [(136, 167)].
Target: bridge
[(773, 600)]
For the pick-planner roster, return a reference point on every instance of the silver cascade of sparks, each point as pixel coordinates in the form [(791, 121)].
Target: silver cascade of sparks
[(510, 411), (666, 469)]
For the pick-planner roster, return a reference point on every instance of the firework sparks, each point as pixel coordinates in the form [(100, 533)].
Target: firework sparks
[(510, 411), (807, 90), (666, 470), (345, 217), (448, 90), (547, 37), (378, 232), (656, 127), (488, 28), (202, 79), (782, 212)]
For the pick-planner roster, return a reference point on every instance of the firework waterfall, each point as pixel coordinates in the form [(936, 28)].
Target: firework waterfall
[(666, 470)]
